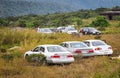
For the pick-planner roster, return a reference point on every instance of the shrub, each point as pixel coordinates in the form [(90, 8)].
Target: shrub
[(3, 50), (38, 58), (7, 57), (100, 22), (16, 54)]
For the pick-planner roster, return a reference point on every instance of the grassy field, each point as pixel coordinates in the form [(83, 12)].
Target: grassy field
[(13, 65)]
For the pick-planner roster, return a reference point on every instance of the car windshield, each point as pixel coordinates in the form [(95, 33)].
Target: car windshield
[(55, 49), (92, 29), (77, 45), (98, 43), (71, 29)]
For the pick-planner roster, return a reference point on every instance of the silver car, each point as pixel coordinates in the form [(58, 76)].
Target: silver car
[(77, 47)]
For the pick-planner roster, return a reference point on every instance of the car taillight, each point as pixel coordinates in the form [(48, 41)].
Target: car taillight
[(109, 47), (98, 48), (55, 56), (77, 51), (90, 51), (69, 56), (81, 31)]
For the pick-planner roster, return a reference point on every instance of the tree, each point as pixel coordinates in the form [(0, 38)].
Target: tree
[(21, 23), (100, 21), (29, 24)]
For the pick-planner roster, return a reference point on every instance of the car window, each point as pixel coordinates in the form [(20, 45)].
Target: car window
[(85, 29), (71, 29), (92, 29), (42, 49), (66, 45), (55, 49), (62, 44), (37, 49), (77, 45), (87, 43), (98, 43)]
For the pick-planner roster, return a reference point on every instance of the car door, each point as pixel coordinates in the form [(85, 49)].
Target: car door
[(42, 50)]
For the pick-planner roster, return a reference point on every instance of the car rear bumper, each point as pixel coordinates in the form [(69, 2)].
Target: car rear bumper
[(84, 54), (59, 61), (88, 54), (104, 52)]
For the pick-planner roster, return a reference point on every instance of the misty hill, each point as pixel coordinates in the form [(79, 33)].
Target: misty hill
[(25, 7)]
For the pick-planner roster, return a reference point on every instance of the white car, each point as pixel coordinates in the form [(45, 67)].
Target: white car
[(60, 29), (99, 47), (70, 30), (77, 47), (44, 30), (54, 54)]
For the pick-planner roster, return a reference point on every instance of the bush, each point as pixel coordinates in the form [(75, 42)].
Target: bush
[(3, 50), (100, 22), (7, 57), (38, 58), (16, 54)]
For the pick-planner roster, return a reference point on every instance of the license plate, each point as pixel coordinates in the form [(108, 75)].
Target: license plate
[(63, 57)]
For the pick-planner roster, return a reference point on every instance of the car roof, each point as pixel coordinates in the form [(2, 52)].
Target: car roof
[(48, 45), (72, 42), (92, 40)]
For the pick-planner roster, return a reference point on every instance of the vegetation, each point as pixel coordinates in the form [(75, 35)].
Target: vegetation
[(59, 19), (13, 64), (36, 58), (54, 20), (100, 22), (14, 7)]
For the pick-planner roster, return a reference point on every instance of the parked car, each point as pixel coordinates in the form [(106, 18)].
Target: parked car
[(60, 29), (54, 30), (89, 30), (54, 54), (44, 30), (77, 47), (99, 47), (70, 30)]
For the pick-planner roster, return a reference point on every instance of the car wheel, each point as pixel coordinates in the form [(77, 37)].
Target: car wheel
[(85, 33), (97, 33), (26, 56)]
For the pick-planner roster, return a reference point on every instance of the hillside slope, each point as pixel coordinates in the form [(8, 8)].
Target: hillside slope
[(25, 7)]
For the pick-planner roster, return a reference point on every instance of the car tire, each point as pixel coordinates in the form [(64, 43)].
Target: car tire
[(26, 56)]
